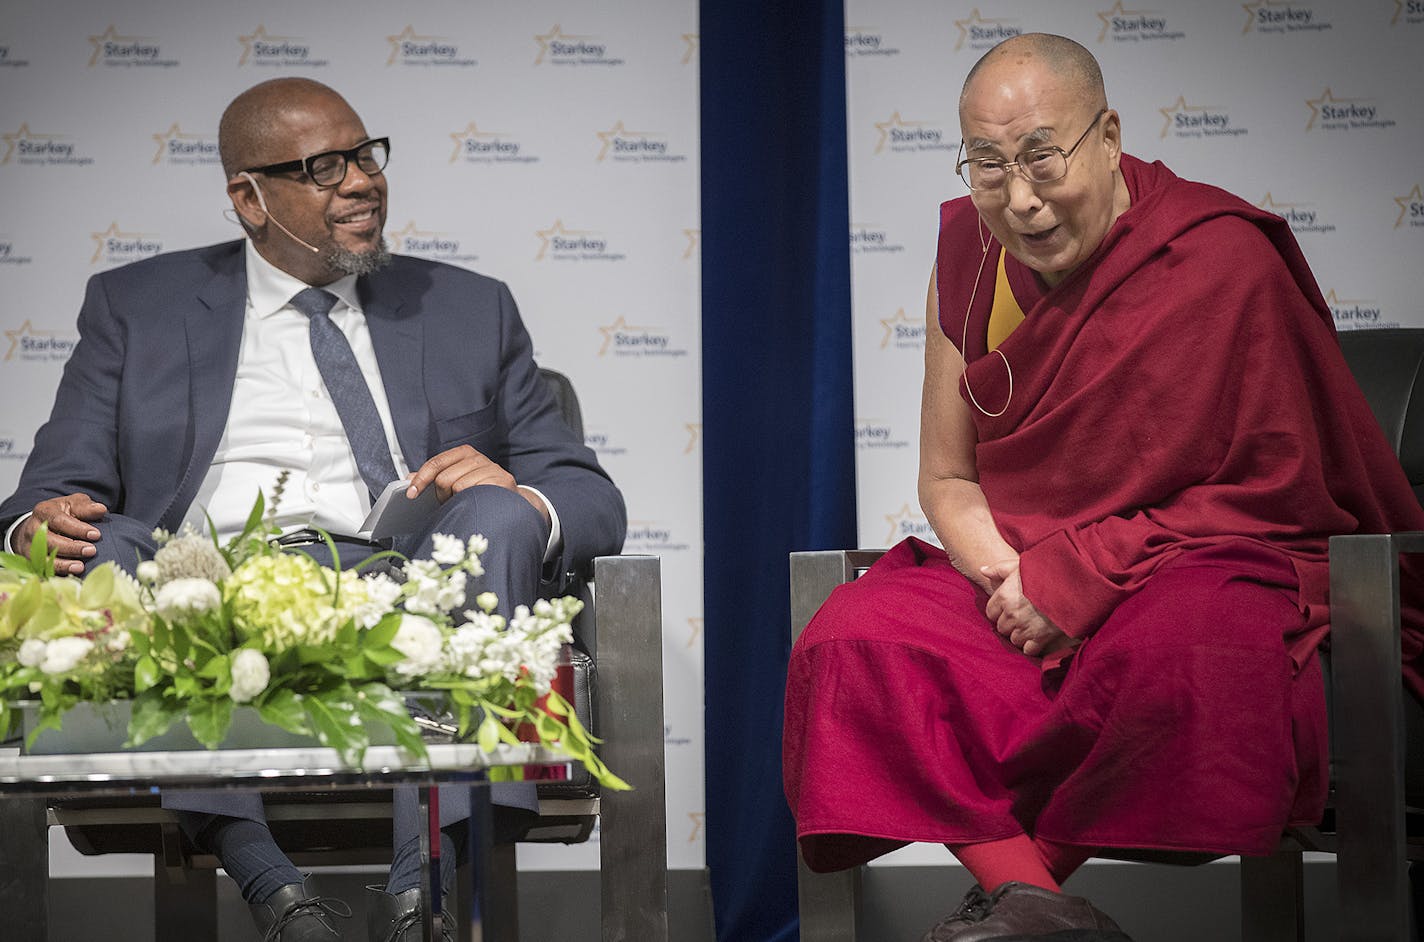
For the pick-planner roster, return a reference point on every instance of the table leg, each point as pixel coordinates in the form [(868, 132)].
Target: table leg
[(24, 868), (430, 855)]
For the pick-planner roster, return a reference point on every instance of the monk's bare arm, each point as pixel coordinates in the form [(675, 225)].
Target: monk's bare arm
[(949, 481)]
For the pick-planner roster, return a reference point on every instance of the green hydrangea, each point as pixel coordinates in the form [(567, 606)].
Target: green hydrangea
[(287, 600)]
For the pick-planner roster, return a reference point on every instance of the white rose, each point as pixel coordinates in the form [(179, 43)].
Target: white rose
[(448, 550), (62, 655), (31, 653), (186, 597), (422, 643), (250, 674)]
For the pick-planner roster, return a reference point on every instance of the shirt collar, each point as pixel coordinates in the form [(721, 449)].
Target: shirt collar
[(269, 289)]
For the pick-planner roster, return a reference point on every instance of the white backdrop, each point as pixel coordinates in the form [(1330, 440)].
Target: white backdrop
[(1314, 110), (550, 143)]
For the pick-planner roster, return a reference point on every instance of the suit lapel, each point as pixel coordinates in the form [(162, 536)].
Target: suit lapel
[(398, 339), (213, 325)]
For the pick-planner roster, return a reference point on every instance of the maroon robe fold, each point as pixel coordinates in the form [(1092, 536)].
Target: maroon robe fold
[(1181, 439)]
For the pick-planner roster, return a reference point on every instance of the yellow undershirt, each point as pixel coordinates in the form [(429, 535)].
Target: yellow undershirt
[(1006, 314)]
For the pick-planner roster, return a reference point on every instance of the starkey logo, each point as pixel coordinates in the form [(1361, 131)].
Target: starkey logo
[(12, 254), (558, 48), (622, 339), (1124, 25), (1302, 217), (622, 145), (178, 148), (114, 246), (38, 346), (902, 332), (23, 146), (1283, 16), (9, 59), (1185, 121), (113, 49), (425, 243), (410, 48), (1353, 312), (652, 535), (472, 145), (900, 136), (868, 239), (868, 41), (878, 434), (1345, 114), (559, 243), (980, 33), (906, 522), (11, 448), (261, 48), (1411, 209), (1407, 11), (603, 443)]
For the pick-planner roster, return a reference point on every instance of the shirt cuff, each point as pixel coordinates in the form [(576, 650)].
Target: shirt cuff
[(556, 534), (10, 546)]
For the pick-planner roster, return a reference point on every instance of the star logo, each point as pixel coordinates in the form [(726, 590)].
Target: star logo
[(258, 35), (174, 133), (612, 134), (17, 336), (1117, 10), (1180, 107), (23, 134), (1270, 205), (1414, 197), (1327, 98), (694, 631), (692, 40), (694, 437), (397, 237), (407, 35), (895, 122), (1251, 9), (547, 236), (470, 133), (613, 330), (974, 20), (113, 232), (694, 239), (546, 38), (890, 323), (109, 35), (698, 818), (1335, 302), (906, 521)]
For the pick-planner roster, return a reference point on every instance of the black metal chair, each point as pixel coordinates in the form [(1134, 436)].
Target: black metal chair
[(618, 694), (1374, 823)]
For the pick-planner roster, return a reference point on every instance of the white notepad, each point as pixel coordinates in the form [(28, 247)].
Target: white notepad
[(394, 514)]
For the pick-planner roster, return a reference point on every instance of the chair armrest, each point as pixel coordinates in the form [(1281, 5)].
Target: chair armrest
[(1367, 697), (814, 574)]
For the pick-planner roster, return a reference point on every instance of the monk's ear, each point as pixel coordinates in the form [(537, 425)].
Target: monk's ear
[(1112, 138)]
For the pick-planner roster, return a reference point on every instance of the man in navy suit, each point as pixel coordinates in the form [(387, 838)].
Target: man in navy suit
[(193, 385)]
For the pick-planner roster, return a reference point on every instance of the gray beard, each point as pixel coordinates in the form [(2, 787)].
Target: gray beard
[(357, 263)]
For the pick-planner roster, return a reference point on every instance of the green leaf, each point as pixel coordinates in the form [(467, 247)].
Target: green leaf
[(153, 715), (16, 563), (332, 719), (379, 704), (254, 519), (382, 633), (145, 673), (41, 559), (216, 668), (97, 587), (284, 708), (488, 735), (209, 720)]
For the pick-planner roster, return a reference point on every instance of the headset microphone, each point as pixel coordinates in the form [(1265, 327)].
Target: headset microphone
[(263, 203)]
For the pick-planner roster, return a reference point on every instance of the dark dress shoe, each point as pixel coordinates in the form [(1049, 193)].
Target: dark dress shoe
[(1020, 911), (397, 918), (296, 914)]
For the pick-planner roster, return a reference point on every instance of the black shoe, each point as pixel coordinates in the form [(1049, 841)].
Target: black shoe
[(296, 914), (397, 917), (1017, 911)]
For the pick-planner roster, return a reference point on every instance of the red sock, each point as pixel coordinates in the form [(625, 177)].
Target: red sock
[(1012, 858), (1062, 859)]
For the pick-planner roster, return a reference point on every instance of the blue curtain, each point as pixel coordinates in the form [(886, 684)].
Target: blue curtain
[(778, 425)]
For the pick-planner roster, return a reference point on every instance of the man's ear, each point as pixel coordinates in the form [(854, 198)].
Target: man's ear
[(247, 201), (1112, 137)]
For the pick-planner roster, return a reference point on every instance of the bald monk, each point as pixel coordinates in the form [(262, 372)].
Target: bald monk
[(1137, 434), (195, 382)]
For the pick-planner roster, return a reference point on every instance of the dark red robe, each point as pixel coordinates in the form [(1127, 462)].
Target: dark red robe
[(1182, 438)]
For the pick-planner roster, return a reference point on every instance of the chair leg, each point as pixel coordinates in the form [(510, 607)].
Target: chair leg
[(1273, 897), (829, 904), (24, 868), (185, 900)]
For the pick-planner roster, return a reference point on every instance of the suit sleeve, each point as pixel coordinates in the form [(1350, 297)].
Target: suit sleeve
[(76, 450)]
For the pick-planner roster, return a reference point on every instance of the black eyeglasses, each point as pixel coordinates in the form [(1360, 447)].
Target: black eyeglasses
[(329, 167), (1037, 164)]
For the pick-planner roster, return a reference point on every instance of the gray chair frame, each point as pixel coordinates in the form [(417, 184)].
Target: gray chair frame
[(1369, 835), (621, 631)]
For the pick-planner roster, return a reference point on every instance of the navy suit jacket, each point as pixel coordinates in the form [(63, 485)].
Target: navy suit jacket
[(145, 396)]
